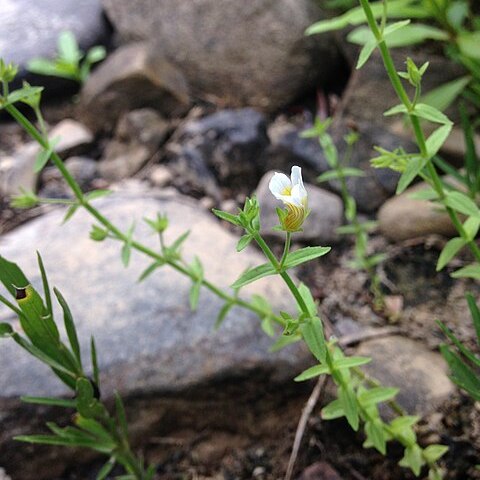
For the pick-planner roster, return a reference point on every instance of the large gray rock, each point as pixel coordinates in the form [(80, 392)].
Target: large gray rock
[(133, 77), (148, 338), (241, 53), (31, 29)]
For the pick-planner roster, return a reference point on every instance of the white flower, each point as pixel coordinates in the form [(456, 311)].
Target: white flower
[(292, 193)]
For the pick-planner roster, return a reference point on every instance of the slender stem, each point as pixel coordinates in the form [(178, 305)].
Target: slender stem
[(286, 249)]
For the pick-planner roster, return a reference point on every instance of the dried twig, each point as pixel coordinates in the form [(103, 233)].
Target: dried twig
[(306, 412)]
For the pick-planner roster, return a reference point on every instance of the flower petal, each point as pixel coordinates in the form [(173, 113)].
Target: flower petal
[(297, 175), (278, 183), (299, 195)]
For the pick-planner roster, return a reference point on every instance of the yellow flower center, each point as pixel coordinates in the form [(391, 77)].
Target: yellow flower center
[(287, 191)]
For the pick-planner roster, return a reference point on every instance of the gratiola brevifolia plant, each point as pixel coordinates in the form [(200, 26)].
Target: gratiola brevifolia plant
[(358, 395)]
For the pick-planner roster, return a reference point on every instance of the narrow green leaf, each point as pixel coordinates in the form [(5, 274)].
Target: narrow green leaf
[(70, 212), (451, 248), (68, 48), (267, 326), (314, 337), (462, 348), (228, 217), (444, 95), (46, 288), (175, 246), (253, 274), (305, 255), (12, 276), (470, 271), (349, 404), (427, 193), (312, 372), (194, 295), (414, 167), (93, 353), (461, 203), (106, 469), (58, 402), (365, 53), (376, 435), (69, 327), (222, 314), (413, 459), (44, 156), (434, 452), (36, 352), (126, 253), (150, 269), (462, 374), (475, 313), (427, 112), (437, 139), (244, 242), (350, 362), (377, 395), (333, 410), (100, 193), (307, 296), (396, 110), (121, 415)]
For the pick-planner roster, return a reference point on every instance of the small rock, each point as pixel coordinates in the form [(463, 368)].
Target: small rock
[(224, 146), (144, 126), (133, 77), (320, 471), (53, 185), (122, 160), (16, 171), (73, 137), (83, 169), (289, 148), (236, 53), (160, 176), (402, 217), (230, 140), (420, 374), (191, 174), (320, 226)]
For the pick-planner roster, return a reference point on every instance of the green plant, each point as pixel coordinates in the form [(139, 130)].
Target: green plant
[(340, 171), (457, 201), (464, 363), (358, 395), (70, 61), (457, 27), (94, 427)]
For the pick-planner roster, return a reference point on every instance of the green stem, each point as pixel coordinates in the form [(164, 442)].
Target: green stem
[(286, 249)]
